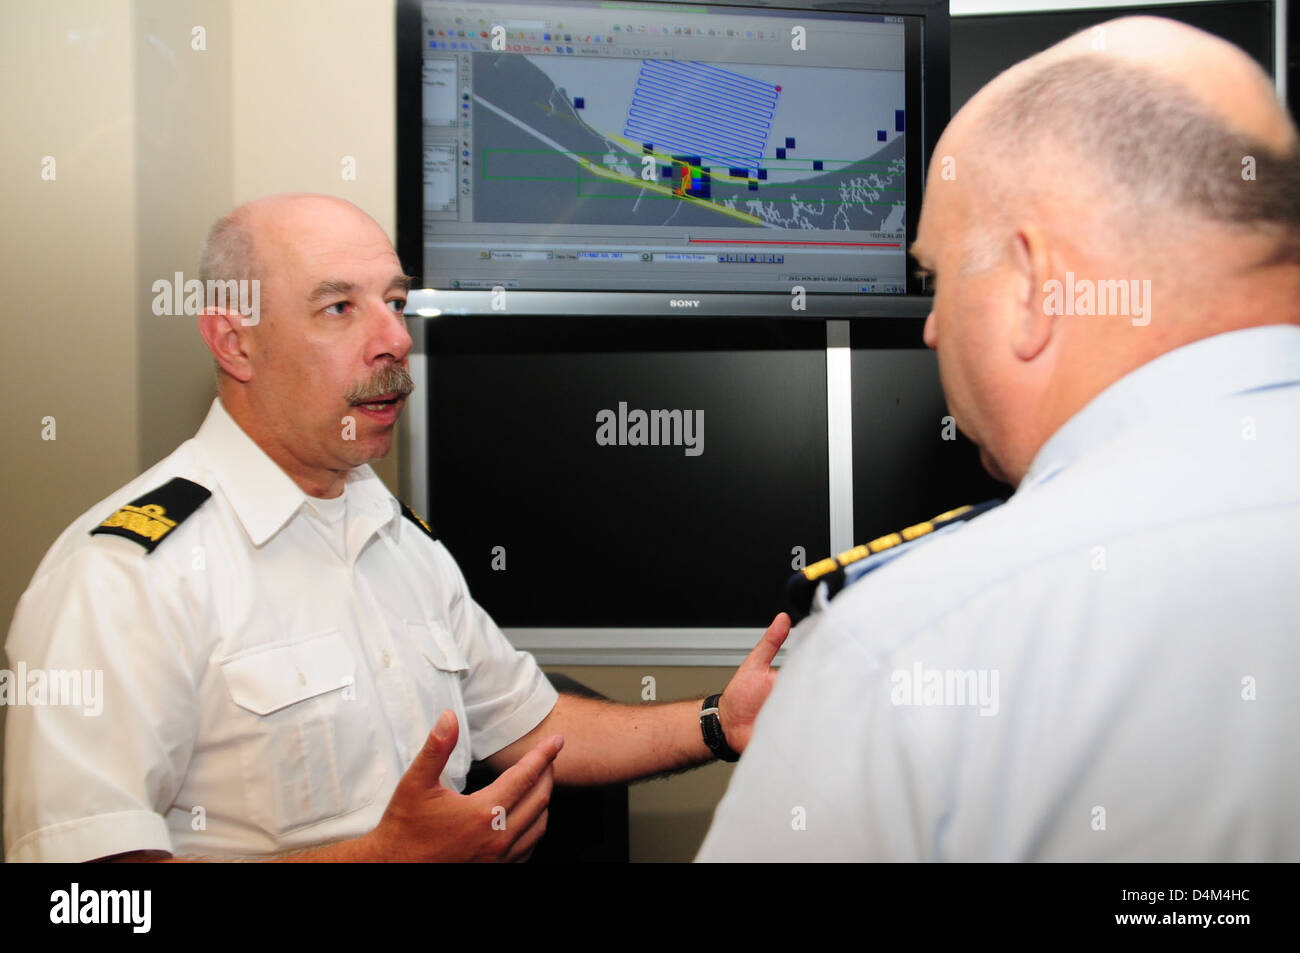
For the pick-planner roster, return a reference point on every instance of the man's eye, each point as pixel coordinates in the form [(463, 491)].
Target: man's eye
[(338, 304), (401, 304)]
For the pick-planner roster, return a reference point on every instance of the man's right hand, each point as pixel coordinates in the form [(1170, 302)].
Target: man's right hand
[(425, 821)]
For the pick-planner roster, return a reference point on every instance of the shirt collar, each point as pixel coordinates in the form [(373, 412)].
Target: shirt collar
[(262, 495), (370, 499), (1215, 367)]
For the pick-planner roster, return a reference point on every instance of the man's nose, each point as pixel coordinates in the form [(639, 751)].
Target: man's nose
[(929, 335), (390, 337)]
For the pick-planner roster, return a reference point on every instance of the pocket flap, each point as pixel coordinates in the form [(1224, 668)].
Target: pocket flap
[(438, 645), (269, 678)]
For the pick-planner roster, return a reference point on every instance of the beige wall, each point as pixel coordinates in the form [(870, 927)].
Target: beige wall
[(183, 181), (152, 139), (67, 255)]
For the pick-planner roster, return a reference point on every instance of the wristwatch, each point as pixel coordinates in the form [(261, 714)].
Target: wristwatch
[(711, 725)]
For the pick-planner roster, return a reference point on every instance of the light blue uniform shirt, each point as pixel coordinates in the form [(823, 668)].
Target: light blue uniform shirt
[(1107, 667)]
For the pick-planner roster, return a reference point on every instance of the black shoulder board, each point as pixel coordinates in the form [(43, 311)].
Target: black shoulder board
[(151, 517), (411, 515), (802, 586)]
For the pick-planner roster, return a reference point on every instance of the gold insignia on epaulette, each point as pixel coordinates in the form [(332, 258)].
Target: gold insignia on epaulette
[(149, 521)]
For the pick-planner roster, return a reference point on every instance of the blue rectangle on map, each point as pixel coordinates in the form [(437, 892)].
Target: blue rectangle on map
[(721, 115)]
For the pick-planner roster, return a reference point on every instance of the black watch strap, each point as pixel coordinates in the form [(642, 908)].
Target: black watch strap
[(711, 725)]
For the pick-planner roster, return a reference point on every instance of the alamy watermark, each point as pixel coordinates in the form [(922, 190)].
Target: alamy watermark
[(132, 908), (1118, 297), (57, 687), (946, 687), (651, 428), (181, 297)]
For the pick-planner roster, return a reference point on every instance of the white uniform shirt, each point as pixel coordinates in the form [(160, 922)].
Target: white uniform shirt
[(261, 691), (1103, 668)]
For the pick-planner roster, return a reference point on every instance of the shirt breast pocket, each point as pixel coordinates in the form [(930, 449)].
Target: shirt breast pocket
[(447, 668), (306, 740)]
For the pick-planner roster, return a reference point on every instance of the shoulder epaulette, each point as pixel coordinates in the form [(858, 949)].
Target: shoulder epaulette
[(833, 571), (415, 518), (148, 519)]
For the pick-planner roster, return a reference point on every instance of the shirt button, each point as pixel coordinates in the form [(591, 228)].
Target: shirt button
[(388, 660), (302, 679), (406, 752)]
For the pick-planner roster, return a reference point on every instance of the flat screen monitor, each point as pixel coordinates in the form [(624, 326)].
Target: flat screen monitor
[(727, 158), (583, 483)]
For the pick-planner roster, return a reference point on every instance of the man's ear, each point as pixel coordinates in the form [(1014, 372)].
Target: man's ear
[(228, 340), (1034, 322)]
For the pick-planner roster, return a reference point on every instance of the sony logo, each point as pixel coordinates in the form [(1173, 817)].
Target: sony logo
[(683, 302)]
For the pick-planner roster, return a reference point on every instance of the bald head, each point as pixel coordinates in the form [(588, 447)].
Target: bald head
[(230, 251), (1212, 71), (1142, 134), (1142, 160)]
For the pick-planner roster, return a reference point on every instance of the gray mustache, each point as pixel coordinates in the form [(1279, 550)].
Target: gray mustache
[(394, 379)]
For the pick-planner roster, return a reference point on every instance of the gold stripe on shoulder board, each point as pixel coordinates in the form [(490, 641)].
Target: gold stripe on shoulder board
[(880, 544), (944, 517)]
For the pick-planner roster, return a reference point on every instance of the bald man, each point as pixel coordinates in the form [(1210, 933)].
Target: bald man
[(285, 662), (1104, 667)]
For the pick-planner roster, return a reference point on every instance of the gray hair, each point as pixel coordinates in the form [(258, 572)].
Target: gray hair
[(1150, 148), (228, 253)]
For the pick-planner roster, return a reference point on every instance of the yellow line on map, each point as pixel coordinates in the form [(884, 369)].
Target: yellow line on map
[(656, 187)]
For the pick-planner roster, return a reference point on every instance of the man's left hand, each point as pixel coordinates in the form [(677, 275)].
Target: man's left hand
[(750, 686)]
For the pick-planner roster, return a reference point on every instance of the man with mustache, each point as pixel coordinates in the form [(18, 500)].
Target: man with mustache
[(293, 665)]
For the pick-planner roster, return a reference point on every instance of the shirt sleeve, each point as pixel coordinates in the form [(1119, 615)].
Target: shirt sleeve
[(506, 693), (98, 748)]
